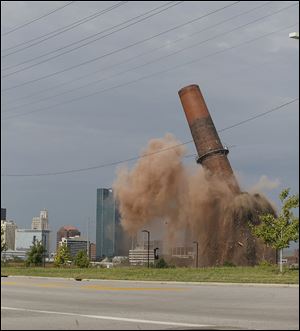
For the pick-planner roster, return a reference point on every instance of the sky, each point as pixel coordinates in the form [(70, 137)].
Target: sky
[(88, 83)]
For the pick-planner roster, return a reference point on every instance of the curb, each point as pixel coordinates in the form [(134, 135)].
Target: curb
[(162, 282)]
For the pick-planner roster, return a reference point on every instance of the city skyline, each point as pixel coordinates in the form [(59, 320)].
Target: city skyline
[(242, 73)]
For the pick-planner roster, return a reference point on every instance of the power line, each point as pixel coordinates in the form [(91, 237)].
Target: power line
[(149, 154), (139, 55), (147, 76), (89, 42), (145, 64), (126, 47), (116, 51), (36, 19), (61, 30)]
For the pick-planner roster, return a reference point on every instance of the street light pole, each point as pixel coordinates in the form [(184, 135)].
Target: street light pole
[(148, 235), (197, 245), (44, 248), (294, 35), (87, 238)]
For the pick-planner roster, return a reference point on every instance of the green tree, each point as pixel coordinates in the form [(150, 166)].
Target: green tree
[(3, 243), (81, 259), (278, 232), (62, 255), (35, 254)]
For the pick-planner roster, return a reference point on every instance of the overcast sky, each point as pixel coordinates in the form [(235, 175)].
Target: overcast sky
[(132, 96)]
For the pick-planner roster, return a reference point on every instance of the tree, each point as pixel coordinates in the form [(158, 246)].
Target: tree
[(35, 253), (3, 243), (161, 263), (278, 232), (62, 255), (82, 260)]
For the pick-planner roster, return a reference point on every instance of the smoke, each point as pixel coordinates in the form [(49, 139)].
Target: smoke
[(196, 205), (265, 183)]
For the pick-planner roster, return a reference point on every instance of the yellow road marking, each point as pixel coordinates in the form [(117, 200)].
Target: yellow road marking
[(94, 287), (110, 288), (52, 285), (9, 283)]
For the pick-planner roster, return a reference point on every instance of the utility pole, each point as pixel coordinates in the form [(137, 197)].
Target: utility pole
[(44, 248), (148, 235), (197, 246), (87, 238)]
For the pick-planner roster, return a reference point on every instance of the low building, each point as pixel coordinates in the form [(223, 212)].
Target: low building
[(13, 254), (66, 231), (92, 252), (139, 256), (26, 237), (182, 251), (75, 244)]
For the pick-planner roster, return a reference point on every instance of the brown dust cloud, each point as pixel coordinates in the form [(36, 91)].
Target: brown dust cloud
[(191, 202)]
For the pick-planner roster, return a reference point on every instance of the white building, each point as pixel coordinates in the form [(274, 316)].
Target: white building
[(139, 256), (40, 222), (26, 237), (9, 228)]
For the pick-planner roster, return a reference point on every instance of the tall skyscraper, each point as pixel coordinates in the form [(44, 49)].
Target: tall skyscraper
[(40, 222), (110, 237)]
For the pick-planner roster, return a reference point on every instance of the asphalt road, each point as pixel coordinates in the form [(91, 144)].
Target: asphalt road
[(61, 304)]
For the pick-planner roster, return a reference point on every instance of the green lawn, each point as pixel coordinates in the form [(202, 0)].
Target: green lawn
[(256, 274)]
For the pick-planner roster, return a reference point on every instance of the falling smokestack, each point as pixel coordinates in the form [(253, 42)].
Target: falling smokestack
[(211, 153)]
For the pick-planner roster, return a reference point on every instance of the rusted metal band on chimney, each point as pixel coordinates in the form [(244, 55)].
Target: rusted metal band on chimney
[(222, 151)]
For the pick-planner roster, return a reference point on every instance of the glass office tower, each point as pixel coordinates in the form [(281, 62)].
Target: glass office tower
[(107, 220)]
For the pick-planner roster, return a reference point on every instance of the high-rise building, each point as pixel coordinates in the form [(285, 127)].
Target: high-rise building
[(66, 231), (40, 222), (110, 237), (3, 214), (9, 228)]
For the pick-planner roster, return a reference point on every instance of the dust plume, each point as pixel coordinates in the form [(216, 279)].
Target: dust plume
[(191, 201), (264, 183)]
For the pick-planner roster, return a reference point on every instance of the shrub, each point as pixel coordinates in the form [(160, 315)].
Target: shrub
[(264, 263), (228, 264), (62, 256), (35, 254), (82, 260), (161, 263)]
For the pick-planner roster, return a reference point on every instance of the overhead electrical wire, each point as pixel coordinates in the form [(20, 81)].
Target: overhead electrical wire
[(117, 64), (142, 65), (171, 3), (131, 45), (113, 52), (36, 19), (147, 76), (61, 30), (149, 154)]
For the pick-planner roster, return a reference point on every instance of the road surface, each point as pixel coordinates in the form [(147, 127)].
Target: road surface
[(65, 304)]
